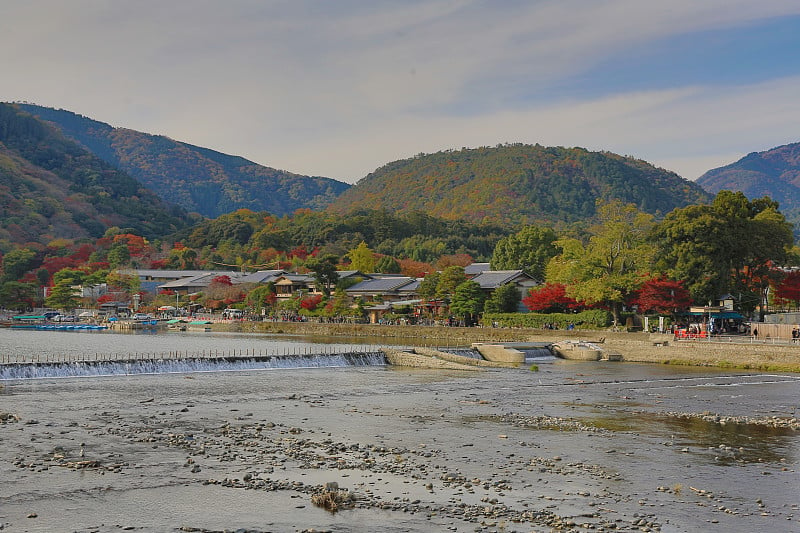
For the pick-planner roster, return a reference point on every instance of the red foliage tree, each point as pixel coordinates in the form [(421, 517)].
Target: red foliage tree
[(414, 269), (300, 252), (222, 280), (661, 295), (136, 244), (789, 288), (54, 264), (105, 298), (311, 302), (550, 298)]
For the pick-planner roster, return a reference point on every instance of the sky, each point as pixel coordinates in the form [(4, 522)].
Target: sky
[(340, 88)]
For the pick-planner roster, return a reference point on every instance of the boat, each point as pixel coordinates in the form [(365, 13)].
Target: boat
[(176, 324), (198, 325)]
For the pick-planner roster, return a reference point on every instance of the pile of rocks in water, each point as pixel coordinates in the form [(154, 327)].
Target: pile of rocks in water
[(7, 418), (547, 422), (778, 422)]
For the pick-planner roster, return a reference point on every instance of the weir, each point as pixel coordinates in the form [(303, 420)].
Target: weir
[(133, 366)]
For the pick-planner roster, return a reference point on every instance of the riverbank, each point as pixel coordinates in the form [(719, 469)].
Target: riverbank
[(575, 447), (634, 347)]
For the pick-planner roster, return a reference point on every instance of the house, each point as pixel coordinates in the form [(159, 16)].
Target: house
[(385, 288), (489, 280), (196, 283), (150, 280), (376, 312), (288, 285)]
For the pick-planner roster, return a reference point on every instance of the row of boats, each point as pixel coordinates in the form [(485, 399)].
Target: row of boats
[(59, 326)]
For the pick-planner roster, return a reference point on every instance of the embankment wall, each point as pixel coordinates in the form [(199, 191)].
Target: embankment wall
[(635, 347)]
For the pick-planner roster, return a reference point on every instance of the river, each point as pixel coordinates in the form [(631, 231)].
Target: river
[(572, 447)]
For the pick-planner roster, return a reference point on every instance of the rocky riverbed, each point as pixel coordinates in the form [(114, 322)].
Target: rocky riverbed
[(573, 447)]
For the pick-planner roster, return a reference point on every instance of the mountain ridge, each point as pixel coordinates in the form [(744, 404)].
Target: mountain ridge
[(51, 187), (518, 184), (196, 178)]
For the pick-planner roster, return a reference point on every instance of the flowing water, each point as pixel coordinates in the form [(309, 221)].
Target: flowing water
[(642, 447)]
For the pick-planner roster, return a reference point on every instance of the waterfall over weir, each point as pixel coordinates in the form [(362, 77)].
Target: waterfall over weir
[(124, 367)]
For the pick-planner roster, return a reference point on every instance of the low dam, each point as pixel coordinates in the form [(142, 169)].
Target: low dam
[(176, 362)]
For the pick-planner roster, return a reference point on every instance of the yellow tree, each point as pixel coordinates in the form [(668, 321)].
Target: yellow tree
[(610, 266), (362, 258)]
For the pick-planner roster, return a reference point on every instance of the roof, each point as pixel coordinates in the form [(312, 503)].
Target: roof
[(296, 278), (168, 274), (476, 268), (713, 314), (202, 280), (382, 285), (492, 279), (350, 273), (262, 276)]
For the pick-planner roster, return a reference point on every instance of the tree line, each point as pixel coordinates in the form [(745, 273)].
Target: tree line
[(626, 260)]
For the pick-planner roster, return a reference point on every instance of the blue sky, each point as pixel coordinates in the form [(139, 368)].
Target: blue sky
[(340, 88)]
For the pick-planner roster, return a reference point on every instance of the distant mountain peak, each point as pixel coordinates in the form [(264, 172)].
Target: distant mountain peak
[(774, 173)]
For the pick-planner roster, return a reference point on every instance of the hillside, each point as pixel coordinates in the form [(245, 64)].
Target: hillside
[(774, 173), (518, 184), (198, 179), (50, 187)]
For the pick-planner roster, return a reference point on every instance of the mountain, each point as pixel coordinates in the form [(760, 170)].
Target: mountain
[(774, 173), (518, 183), (51, 187), (198, 179)]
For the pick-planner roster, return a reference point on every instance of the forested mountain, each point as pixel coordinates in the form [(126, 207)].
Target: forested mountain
[(513, 184), (198, 179), (51, 187), (774, 173)]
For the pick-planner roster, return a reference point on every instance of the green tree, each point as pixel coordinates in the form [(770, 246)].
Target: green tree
[(325, 273), (427, 287), (362, 258), (62, 296), (119, 255), (729, 246), (17, 295), (611, 265), (467, 301), (504, 299), (125, 282), (530, 250), (339, 305), (387, 265), (17, 262), (450, 278), (69, 275), (260, 297)]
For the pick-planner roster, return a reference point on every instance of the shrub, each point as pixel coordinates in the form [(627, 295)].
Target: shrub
[(593, 318)]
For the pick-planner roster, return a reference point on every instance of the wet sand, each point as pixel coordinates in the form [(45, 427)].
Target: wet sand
[(573, 447)]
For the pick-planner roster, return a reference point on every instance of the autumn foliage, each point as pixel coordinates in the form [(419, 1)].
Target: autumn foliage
[(789, 288), (550, 298), (661, 295)]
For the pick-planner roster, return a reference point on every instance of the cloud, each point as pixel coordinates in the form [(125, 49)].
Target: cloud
[(340, 88)]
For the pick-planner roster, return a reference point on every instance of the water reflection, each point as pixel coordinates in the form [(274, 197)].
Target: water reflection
[(729, 443)]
